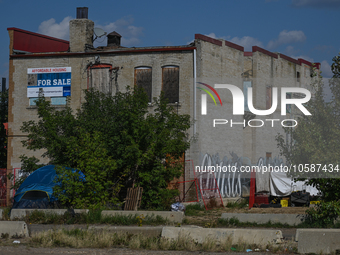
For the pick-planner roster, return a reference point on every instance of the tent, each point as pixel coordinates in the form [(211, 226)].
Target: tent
[(37, 189)]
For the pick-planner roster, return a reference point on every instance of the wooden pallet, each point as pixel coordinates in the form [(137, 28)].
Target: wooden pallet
[(133, 198)]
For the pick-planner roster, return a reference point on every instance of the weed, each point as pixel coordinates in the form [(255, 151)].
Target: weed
[(93, 217), (185, 221), (235, 222), (193, 209), (5, 235), (6, 213), (77, 238), (140, 219), (241, 203), (209, 244), (212, 203)]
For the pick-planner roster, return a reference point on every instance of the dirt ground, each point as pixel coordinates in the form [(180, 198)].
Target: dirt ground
[(282, 210), (210, 217), (25, 250)]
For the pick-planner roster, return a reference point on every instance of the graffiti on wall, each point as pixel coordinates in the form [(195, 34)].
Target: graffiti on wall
[(231, 183)]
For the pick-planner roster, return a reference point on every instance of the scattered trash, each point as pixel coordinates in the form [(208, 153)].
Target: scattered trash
[(267, 250), (249, 250), (177, 207), (16, 241), (257, 249), (233, 249)]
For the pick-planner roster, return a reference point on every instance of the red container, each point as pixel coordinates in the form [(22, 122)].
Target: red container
[(261, 199)]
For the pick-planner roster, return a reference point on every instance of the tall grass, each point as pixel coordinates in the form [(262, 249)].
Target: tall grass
[(77, 238), (93, 217), (194, 209), (241, 203)]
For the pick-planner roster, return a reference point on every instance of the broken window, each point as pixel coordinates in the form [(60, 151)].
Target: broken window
[(170, 83), (143, 79)]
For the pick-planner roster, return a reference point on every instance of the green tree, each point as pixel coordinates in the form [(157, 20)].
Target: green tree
[(3, 136), (316, 140), (141, 145), (97, 189)]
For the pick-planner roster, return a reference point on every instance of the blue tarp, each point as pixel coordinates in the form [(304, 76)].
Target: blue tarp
[(41, 179)]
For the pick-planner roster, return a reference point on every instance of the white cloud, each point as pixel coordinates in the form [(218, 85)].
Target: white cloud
[(58, 30), (130, 34), (290, 50), (212, 35), (316, 3), (326, 69), (247, 42), (286, 37), (303, 57)]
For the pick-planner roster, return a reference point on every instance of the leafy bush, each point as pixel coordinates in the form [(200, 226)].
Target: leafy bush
[(323, 214)]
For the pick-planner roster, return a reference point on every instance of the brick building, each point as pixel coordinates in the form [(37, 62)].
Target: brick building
[(65, 68)]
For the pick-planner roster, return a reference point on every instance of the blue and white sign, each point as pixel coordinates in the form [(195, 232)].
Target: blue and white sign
[(54, 81)]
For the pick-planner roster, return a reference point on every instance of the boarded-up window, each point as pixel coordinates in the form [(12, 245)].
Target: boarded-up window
[(170, 83), (100, 79), (268, 97), (143, 79)]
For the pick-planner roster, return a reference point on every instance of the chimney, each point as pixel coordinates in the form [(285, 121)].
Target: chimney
[(113, 39), (81, 31), (82, 12)]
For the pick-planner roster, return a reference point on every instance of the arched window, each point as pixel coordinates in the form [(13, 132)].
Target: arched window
[(143, 79), (170, 83)]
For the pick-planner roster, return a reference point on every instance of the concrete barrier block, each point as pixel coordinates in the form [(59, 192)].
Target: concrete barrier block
[(176, 217), (145, 231), (290, 219), (319, 241), (21, 213), (249, 236), (14, 228)]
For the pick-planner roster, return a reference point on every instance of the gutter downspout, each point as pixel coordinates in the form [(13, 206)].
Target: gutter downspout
[(194, 92)]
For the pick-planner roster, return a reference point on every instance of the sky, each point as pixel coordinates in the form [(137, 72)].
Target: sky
[(306, 29)]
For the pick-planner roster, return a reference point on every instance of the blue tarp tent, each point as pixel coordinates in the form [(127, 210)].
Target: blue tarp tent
[(37, 190)]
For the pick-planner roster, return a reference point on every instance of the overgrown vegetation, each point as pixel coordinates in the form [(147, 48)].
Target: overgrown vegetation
[(93, 217), (316, 141), (193, 209), (324, 215), (234, 222), (239, 204), (77, 238), (117, 142)]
